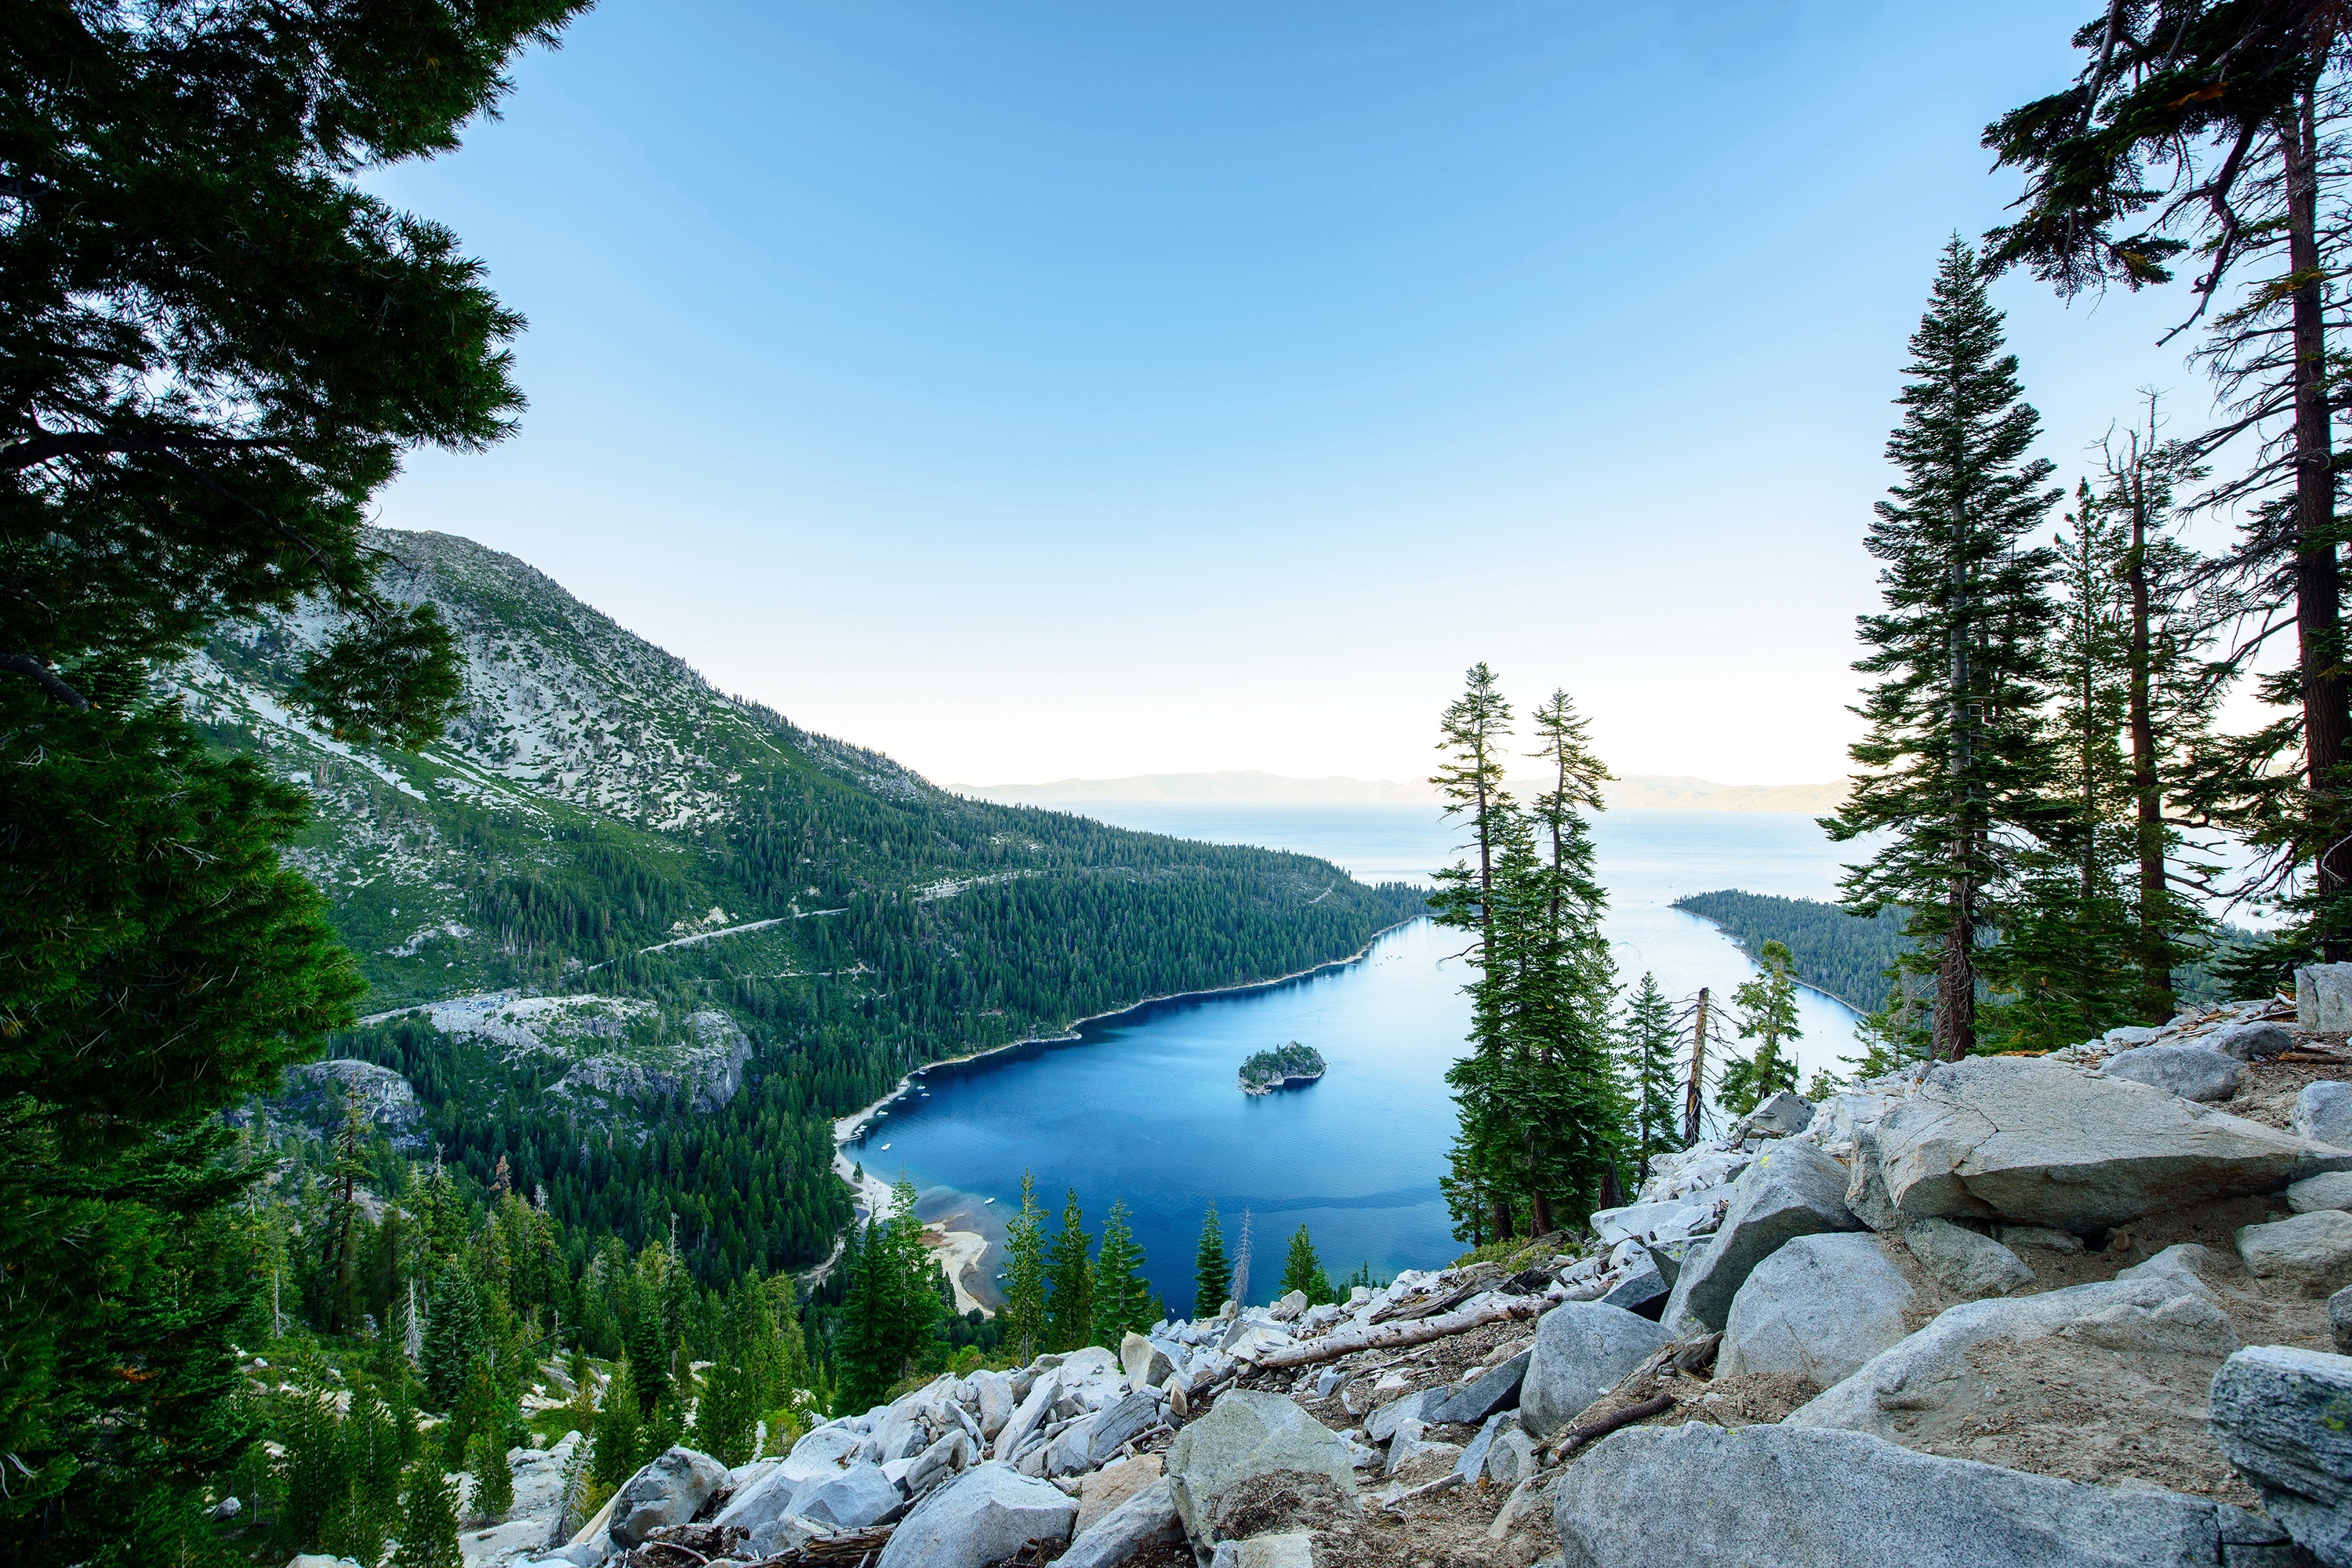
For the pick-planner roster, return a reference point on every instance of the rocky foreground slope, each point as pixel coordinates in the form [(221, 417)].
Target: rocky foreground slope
[(2052, 1310)]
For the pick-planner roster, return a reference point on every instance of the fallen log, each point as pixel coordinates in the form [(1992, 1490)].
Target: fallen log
[(1331, 1347), (1575, 1438)]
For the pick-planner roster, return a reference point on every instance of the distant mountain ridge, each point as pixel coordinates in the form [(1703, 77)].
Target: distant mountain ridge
[(644, 940), (1635, 791)]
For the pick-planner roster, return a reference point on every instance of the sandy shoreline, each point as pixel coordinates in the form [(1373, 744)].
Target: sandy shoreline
[(961, 1250)]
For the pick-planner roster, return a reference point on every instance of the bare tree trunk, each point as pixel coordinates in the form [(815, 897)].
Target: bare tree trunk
[(2318, 635), (1693, 1096), (1955, 978), (2156, 1001)]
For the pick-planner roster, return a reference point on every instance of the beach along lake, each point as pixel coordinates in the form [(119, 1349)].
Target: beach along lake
[(1146, 1107)]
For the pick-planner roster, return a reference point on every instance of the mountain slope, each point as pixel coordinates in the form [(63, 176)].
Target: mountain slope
[(688, 870)]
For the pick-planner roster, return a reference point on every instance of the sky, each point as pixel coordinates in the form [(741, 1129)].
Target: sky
[(1068, 390)]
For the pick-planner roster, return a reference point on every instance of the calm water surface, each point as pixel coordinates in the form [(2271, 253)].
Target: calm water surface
[(1143, 1106)]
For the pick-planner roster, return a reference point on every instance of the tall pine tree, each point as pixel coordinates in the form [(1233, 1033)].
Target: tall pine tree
[(1122, 1301), (1953, 769), (1070, 1316), (1768, 1015), (1023, 1317), (1651, 1047)]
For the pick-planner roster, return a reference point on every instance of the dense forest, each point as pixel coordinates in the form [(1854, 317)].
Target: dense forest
[(1832, 950)]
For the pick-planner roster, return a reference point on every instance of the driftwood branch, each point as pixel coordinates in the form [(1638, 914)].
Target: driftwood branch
[(26, 665), (1575, 1438), (1393, 1336)]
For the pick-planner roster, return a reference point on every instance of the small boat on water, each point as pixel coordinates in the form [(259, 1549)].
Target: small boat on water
[(885, 1148), (988, 1200)]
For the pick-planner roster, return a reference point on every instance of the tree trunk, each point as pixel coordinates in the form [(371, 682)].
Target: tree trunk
[(2318, 636), (1955, 978), (1692, 1097), (2155, 948)]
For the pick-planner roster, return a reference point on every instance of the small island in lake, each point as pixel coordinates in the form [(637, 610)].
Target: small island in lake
[(1281, 1067)]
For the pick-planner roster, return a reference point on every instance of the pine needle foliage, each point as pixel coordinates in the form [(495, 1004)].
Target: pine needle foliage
[(1954, 770), (1212, 1276)]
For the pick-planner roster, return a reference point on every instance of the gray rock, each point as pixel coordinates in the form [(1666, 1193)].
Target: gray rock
[(2040, 1236), (1820, 1308), (2312, 1252), (1644, 1290), (2284, 1417), (1291, 1549), (1669, 1257), (2247, 1041), (1382, 1424), (2183, 1265), (1145, 1364), (1122, 1422), (936, 1463), (1473, 1463), (667, 1491), (1931, 1371), (1582, 1350), (983, 1516), (2130, 1036), (2192, 1071), (2331, 1191), (1246, 1435), (1032, 1411), (1783, 1497), (2323, 997), (1498, 1388), (1968, 1265), (994, 1392), (1793, 1189), (2323, 1113), (1413, 1457), (1511, 1458), (859, 1496), (1783, 1116), (1866, 1186), (1145, 1520), (2039, 1142), (2339, 1319)]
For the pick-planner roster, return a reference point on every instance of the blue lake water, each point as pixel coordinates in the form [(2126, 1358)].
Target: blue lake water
[(1143, 1107)]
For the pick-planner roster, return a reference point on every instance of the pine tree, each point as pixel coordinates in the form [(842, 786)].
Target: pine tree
[(312, 1470), (746, 1377), (2214, 129), (204, 392), (1651, 1047), (2063, 970), (1953, 768), (1023, 1317), (1213, 1277), (890, 1318), (1768, 1015), (428, 1523), (619, 1435), (1469, 780), (453, 1335), (1302, 1270), (343, 1217), (1122, 1301), (1564, 1090), (492, 1498), (1070, 1316)]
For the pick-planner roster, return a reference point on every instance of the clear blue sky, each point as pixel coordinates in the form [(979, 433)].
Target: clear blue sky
[(1076, 389)]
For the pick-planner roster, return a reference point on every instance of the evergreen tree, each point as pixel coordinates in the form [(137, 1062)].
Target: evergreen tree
[(1953, 768), (453, 1335), (1471, 737), (492, 1498), (746, 1377), (619, 1435), (220, 345), (2063, 970), (1213, 1277), (1024, 1317), (428, 1521), (890, 1319), (1565, 1091), (1768, 1015), (344, 1219), (2214, 129), (1122, 1301), (1652, 1047), (1070, 1315), (1302, 1270), (311, 1471), (368, 1516)]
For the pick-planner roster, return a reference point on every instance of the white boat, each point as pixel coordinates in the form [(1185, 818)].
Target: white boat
[(988, 1200), (885, 1148)]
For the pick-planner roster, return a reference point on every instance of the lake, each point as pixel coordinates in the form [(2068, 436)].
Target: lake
[(1143, 1106)]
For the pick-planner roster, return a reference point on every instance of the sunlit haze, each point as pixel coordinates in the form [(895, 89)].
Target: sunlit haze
[(1064, 390)]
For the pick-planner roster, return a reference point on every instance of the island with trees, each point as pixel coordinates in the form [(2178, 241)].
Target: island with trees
[(1281, 1067)]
